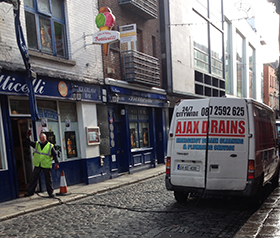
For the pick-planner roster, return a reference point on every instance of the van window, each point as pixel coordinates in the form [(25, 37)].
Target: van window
[(278, 128)]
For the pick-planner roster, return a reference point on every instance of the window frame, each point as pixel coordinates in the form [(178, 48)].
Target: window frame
[(252, 70), (138, 121), (60, 125), (52, 19), (240, 64), (3, 153)]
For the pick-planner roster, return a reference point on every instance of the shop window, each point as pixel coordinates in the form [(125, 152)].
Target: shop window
[(3, 162), (51, 122), (69, 128), (45, 26), (19, 107), (139, 128)]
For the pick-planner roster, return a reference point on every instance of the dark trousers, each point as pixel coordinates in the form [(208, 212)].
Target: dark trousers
[(35, 176)]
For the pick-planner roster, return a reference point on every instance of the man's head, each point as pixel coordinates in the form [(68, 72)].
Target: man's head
[(43, 138)]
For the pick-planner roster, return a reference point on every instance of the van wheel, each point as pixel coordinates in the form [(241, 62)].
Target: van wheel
[(258, 198), (180, 196)]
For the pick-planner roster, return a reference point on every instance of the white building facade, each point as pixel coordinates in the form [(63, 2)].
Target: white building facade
[(210, 50)]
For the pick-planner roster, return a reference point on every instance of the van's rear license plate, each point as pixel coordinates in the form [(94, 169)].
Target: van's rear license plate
[(188, 167)]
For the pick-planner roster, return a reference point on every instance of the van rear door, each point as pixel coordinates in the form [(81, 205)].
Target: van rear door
[(188, 147), (227, 144)]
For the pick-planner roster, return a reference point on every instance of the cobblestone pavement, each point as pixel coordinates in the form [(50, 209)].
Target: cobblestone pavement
[(144, 209)]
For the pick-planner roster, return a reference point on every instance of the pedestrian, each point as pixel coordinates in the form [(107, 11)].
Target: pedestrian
[(44, 153)]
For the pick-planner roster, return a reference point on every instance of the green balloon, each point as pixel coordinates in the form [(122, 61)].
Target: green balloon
[(100, 20)]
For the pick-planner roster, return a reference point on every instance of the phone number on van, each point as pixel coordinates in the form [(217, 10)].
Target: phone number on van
[(222, 111)]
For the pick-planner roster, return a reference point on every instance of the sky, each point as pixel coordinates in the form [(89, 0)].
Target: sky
[(267, 25)]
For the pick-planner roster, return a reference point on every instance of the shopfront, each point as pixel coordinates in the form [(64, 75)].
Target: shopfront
[(137, 122), (58, 111)]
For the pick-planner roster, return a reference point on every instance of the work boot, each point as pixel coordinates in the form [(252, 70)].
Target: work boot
[(28, 194), (51, 196)]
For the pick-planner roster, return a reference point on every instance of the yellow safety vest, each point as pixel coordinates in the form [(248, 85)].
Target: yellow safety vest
[(43, 157)]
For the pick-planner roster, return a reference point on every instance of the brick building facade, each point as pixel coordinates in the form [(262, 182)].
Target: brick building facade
[(270, 86)]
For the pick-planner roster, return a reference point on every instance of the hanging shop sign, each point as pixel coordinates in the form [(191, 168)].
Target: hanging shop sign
[(105, 21), (104, 37)]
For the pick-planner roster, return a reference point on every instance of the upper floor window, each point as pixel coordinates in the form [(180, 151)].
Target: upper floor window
[(45, 26), (216, 12), (200, 42), (228, 57), (239, 65), (251, 53)]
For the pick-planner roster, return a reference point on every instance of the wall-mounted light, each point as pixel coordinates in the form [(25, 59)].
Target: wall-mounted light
[(76, 94), (167, 103), (115, 97)]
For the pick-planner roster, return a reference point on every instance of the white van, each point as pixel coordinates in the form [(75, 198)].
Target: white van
[(221, 146)]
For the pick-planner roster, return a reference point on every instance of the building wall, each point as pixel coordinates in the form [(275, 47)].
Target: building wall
[(181, 46), (88, 118), (84, 63), (123, 16), (251, 38), (9, 50), (83, 68), (269, 86), (180, 27)]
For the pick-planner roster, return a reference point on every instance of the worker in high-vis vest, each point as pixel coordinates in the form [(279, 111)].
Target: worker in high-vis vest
[(43, 156)]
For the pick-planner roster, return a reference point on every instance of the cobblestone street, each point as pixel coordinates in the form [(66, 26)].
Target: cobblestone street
[(144, 209)]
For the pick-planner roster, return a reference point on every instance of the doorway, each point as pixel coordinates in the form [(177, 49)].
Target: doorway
[(22, 152)]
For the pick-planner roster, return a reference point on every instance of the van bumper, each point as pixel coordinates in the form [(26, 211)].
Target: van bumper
[(251, 189)]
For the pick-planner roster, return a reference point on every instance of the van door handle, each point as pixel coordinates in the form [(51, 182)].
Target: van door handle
[(233, 155)]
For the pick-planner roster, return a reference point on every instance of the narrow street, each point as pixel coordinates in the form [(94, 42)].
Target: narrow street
[(144, 209)]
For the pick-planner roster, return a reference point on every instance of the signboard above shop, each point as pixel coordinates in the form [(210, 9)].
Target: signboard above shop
[(15, 84)]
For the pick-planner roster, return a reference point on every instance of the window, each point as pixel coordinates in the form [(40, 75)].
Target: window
[(20, 107), (239, 65), (3, 162), (139, 127), (251, 71), (154, 48), (216, 52), (200, 41), (216, 12), (56, 117), (203, 7), (139, 40), (227, 39), (69, 128), (45, 26)]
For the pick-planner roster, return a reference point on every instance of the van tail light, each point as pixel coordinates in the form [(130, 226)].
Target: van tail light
[(168, 159), (171, 135), (251, 169)]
